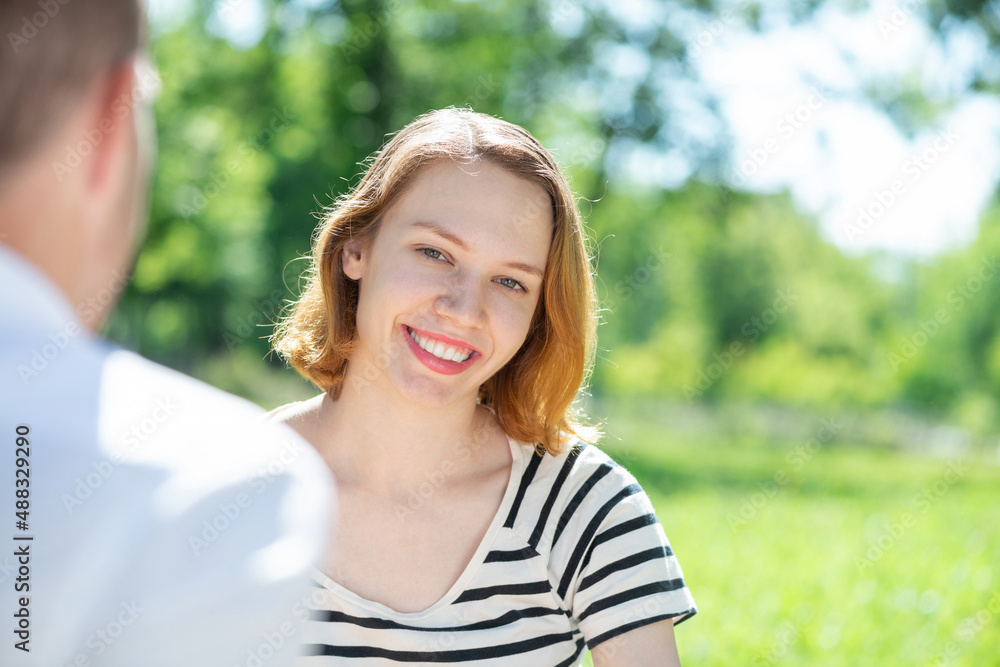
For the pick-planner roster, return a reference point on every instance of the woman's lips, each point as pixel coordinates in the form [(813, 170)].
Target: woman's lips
[(436, 364), (444, 339)]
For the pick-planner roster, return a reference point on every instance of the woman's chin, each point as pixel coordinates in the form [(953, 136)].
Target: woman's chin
[(427, 393)]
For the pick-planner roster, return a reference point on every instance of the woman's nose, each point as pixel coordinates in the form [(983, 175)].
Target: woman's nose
[(462, 301)]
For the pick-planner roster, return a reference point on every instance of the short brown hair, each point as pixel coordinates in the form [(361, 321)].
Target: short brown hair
[(52, 51), (532, 394)]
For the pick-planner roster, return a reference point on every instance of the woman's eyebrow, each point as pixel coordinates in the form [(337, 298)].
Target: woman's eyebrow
[(443, 233), (448, 236)]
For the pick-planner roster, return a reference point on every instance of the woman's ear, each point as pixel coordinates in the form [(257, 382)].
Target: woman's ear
[(353, 258)]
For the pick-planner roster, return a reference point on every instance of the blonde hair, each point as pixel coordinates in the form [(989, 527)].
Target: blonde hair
[(532, 395)]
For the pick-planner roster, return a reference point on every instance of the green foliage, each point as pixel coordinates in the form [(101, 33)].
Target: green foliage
[(747, 301), (707, 294)]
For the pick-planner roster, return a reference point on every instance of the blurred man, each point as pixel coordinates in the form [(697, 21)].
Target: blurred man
[(148, 518)]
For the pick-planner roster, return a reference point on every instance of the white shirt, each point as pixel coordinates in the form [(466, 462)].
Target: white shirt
[(575, 557), (171, 524)]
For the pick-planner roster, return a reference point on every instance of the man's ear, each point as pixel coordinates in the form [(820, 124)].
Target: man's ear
[(113, 123), (353, 258)]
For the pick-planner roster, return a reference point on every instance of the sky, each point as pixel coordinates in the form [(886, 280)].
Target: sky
[(793, 97)]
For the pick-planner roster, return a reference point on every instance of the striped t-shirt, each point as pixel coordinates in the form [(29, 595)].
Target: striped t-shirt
[(575, 556)]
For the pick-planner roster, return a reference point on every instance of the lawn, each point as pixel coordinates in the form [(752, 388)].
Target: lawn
[(825, 553)]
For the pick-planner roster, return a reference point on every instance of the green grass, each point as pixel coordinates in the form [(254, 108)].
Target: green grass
[(794, 579)]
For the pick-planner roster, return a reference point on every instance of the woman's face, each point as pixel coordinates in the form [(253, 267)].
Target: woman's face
[(450, 283)]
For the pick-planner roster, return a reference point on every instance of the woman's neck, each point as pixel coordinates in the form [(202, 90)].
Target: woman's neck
[(376, 440)]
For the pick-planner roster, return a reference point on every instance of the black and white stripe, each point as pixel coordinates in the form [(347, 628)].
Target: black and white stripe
[(579, 559)]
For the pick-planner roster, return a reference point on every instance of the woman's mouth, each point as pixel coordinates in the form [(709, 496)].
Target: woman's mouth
[(437, 354)]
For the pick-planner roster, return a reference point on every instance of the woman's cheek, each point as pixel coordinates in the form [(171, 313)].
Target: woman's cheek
[(513, 322), (406, 276)]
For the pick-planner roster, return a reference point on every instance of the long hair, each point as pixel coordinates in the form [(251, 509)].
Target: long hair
[(532, 395)]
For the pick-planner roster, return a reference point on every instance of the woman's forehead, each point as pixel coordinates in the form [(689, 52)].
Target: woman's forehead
[(478, 198)]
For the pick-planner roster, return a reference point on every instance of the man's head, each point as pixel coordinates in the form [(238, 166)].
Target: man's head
[(73, 161)]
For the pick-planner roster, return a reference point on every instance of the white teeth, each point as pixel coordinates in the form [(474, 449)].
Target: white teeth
[(440, 350)]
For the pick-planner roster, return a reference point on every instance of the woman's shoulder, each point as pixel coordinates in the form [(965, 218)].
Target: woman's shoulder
[(301, 416), (580, 461), (569, 489)]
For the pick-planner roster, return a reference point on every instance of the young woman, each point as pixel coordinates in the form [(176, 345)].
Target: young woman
[(449, 319)]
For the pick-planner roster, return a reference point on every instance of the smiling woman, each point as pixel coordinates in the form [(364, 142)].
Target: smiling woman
[(449, 320), (319, 337)]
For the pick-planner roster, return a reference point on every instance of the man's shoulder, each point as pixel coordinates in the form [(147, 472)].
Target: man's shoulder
[(133, 387), (153, 415)]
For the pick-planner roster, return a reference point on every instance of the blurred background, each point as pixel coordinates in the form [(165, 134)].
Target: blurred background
[(793, 207)]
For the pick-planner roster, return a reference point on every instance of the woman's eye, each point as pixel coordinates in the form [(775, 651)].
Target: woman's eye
[(437, 255), (510, 283)]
